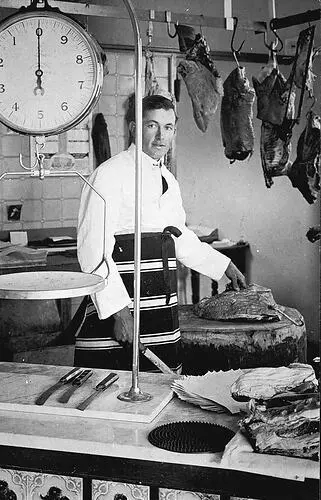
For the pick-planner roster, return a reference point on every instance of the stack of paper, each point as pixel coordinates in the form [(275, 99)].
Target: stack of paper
[(210, 391)]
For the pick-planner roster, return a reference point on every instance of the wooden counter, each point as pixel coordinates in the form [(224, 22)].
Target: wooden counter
[(98, 458)]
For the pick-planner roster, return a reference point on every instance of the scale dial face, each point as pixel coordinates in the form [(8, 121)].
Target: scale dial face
[(51, 73)]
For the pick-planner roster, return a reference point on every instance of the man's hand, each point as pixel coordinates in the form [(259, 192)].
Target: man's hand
[(236, 277), (124, 326)]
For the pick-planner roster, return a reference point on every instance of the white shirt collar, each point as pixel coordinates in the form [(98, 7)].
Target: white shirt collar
[(147, 159)]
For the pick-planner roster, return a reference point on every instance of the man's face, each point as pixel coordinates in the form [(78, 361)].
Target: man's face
[(158, 132)]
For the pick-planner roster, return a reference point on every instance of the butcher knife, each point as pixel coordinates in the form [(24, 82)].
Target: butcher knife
[(62, 381), (77, 382), (155, 360), (77, 321), (99, 389)]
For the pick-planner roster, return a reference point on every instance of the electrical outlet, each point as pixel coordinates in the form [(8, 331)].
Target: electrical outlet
[(14, 212)]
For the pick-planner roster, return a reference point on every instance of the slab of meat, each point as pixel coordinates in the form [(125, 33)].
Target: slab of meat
[(203, 90), (250, 304), (291, 430), (265, 382), (272, 94), (237, 116), (275, 153), (305, 171), (276, 108), (303, 63), (200, 51), (202, 80)]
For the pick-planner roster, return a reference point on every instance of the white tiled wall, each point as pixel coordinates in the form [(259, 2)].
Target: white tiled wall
[(54, 202)]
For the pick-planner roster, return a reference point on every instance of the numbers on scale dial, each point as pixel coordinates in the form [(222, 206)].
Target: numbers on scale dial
[(57, 73)]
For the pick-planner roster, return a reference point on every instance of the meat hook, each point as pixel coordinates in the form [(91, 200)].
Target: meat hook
[(273, 45), (234, 51), (168, 18)]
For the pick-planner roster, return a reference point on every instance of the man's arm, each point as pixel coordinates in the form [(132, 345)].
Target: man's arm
[(195, 254), (92, 255)]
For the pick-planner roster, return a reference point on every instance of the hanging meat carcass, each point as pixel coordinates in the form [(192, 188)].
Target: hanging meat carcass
[(302, 68), (202, 80), (272, 93), (275, 101), (151, 84), (100, 138), (275, 153), (237, 116), (304, 173)]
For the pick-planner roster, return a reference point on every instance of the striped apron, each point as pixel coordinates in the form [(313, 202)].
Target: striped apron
[(96, 346)]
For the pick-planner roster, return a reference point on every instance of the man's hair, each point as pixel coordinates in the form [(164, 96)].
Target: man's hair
[(149, 102)]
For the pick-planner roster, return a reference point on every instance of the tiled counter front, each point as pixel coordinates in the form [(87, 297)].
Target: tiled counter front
[(110, 490), (169, 494), (24, 485)]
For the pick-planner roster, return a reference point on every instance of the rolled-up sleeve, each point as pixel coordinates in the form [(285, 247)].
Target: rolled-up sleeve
[(190, 251), (200, 256), (93, 249)]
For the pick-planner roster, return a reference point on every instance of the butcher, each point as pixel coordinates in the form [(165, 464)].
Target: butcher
[(104, 337)]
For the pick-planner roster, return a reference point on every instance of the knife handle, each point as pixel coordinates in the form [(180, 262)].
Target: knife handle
[(107, 381), (70, 375), (82, 377)]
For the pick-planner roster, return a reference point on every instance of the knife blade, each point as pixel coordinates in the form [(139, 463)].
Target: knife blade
[(152, 357), (159, 363), (65, 379), (77, 382), (99, 389)]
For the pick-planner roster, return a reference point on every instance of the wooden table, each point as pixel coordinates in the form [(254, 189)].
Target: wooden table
[(98, 459)]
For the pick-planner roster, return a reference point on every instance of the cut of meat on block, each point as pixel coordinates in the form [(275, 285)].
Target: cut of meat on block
[(251, 304)]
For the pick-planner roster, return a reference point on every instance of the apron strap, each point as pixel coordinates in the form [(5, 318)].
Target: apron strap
[(77, 320), (166, 246)]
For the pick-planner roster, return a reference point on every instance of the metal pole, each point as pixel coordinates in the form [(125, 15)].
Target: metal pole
[(135, 394)]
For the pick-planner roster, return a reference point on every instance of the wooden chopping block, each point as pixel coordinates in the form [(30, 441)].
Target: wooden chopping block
[(209, 345)]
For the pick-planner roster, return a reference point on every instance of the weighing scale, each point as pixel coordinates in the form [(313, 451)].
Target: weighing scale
[(58, 90)]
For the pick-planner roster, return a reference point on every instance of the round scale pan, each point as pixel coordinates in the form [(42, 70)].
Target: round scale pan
[(49, 285), (191, 437)]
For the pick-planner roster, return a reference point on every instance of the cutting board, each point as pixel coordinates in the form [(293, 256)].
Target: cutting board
[(22, 383)]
